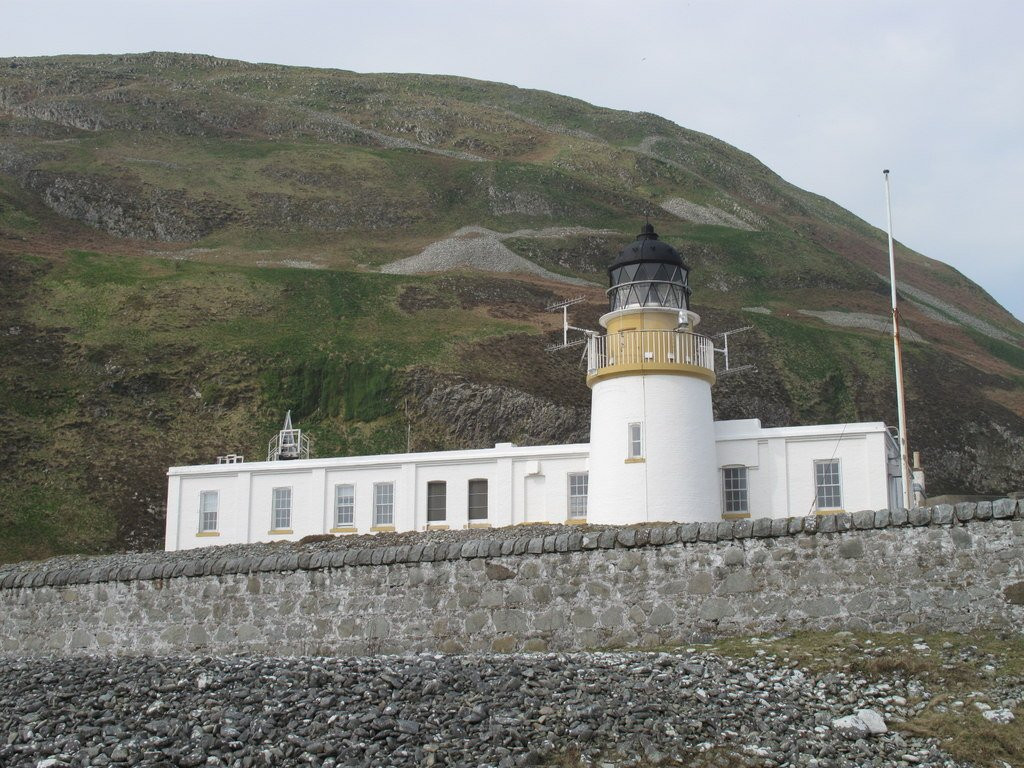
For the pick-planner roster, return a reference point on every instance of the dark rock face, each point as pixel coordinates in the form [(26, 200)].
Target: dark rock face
[(127, 208), (327, 214), (470, 415), (1014, 593)]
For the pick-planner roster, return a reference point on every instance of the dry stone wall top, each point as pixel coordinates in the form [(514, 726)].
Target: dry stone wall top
[(452, 545)]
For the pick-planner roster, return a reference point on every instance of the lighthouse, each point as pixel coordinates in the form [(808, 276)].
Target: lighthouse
[(652, 435)]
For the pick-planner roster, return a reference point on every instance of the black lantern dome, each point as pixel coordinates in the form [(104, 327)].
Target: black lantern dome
[(648, 273)]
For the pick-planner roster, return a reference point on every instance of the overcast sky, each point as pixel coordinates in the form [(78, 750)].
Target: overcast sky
[(826, 93)]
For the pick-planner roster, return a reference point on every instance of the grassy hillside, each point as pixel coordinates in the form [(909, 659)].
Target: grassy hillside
[(189, 247)]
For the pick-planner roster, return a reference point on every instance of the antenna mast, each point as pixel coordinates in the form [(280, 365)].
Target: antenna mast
[(901, 409), (724, 351), (564, 306)]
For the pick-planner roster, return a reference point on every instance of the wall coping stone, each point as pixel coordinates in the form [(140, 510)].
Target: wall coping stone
[(569, 541), (942, 514)]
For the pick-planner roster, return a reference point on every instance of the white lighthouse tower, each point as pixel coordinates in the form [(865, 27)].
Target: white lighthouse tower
[(652, 438)]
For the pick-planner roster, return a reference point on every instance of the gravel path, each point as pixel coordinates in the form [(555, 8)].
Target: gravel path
[(703, 214), (333, 120), (865, 320), (938, 306), (480, 248), (603, 709)]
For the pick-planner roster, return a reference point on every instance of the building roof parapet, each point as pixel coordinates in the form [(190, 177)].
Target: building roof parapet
[(482, 455)]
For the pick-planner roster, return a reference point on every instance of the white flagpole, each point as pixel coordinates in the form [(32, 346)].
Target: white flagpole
[(898, 354)]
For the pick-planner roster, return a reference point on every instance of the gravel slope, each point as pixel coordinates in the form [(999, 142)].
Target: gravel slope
[(607, 709), (480, 248)]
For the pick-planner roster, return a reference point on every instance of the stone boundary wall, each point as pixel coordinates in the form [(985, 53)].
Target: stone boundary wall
[(952, 567)]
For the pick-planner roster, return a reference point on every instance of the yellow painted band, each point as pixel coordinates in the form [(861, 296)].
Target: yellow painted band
[(208, 533), (675, 369)]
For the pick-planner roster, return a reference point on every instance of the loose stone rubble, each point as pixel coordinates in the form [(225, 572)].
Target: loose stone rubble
[(602, 709)]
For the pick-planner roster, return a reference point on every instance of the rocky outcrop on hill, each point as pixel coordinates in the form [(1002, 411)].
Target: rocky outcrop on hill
[(291, 213), (453, 411), (127, 208)]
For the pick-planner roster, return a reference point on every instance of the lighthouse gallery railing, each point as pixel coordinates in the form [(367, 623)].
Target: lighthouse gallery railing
[(635, 347)]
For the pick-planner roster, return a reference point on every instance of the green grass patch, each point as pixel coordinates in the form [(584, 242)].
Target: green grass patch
[(360, 390), (1008, 353), (289, 313), (40, 520), (810, 351), (92, 270), (248, 342), (14, 221)]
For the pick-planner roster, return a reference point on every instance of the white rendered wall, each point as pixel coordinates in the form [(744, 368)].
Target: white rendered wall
[(245, 491), (531, 484), (861, 466), (678, 477), (780, 464)]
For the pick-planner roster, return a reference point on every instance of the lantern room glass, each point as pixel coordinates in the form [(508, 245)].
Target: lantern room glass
[(648, 284)]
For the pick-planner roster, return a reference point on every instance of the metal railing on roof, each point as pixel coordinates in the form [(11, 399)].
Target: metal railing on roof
[(650, 347), (289, 444)]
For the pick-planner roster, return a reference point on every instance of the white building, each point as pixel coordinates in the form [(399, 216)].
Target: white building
[(655, 453)]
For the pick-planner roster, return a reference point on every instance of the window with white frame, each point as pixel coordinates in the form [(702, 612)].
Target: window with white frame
[(578, 482), (383, 504), (281, 509), (437, 501), (208, 501), (636, 441), (344, 506), (828, 484), (477, 499), (734, 488)]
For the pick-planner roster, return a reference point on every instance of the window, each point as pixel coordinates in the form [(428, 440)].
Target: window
[(578, 482), (344, 506), (477, 499), (281, 516), (437, 501), (636, 441), (208, 511), (734, 485), (383, 504), (828, 485)]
